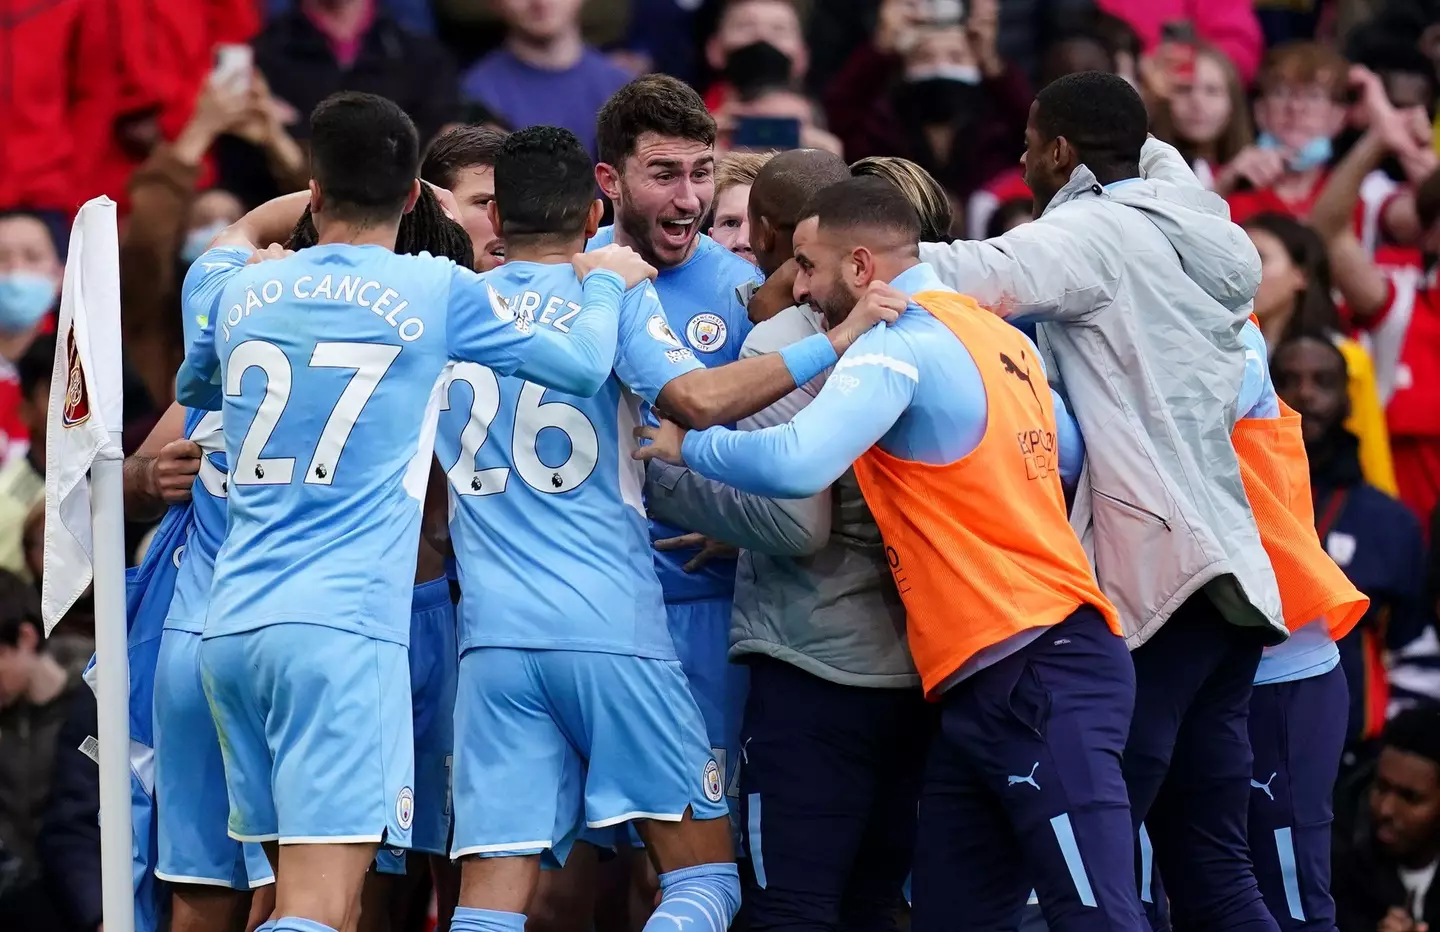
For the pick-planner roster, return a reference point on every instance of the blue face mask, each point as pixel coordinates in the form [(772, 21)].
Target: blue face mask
[(1313, 154), (198, 240), (24, 299)]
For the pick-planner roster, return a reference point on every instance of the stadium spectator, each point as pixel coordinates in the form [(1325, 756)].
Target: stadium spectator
[(544, 73), (1385, 869), (1229, 25), (172, 221), (939, 96), (1370, 535), (776, 102), (1295, 297), (22, 478), (1300, 110), (35, 689), (68, 845), (1205, 115), (734, 175), (30, 274), (324, 46), (756, 44)]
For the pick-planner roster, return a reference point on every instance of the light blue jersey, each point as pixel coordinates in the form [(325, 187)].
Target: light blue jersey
[(546, 514), (903, 386), (704, 300), (1309, 651), (207, 528), (329, 363)]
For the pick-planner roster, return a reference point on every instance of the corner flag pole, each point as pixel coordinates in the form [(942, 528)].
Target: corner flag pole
[(85, 518)]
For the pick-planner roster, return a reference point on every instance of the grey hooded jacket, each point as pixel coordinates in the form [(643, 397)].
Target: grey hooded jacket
[(812, 587), (1141, 289)]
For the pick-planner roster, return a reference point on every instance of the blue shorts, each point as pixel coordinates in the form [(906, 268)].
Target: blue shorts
[(701, 632), (191, 804), (554, 741), (315, 728), (434, 667)]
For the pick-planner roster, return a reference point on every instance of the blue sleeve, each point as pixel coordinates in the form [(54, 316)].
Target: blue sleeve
[(870, 389), (1257, 391), (482, 328), (197, 384), (1070, 442), (649, 354)]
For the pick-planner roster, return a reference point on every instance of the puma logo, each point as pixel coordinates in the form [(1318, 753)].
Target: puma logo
[(1264, 787), (1029, 778), (1023, 375)]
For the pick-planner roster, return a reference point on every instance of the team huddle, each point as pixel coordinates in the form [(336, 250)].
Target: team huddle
[(381, 426)]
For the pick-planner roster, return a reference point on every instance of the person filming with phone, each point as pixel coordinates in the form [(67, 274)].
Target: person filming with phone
[(930, 86)]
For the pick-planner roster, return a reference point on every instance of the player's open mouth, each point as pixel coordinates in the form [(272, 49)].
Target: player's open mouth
[(678, 231)]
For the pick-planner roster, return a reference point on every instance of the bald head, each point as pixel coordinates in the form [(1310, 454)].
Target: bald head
[(777, 200)]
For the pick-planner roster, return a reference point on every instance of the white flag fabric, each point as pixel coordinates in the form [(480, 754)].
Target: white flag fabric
[(85, 404)]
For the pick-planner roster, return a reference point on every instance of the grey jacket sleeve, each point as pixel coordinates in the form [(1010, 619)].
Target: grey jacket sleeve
[(780, 527), (1056, 268)]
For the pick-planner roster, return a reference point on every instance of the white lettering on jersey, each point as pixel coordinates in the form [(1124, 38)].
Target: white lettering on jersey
[(350, 289)]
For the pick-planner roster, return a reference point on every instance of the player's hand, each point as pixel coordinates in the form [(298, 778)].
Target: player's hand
[(775, 294), (1398, 920), (174, 471), (273, 251), (448, 204), (665, 443), (879, 303), (709, 549), (621, 260)]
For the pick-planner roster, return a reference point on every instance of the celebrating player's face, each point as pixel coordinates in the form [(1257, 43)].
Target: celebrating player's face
[(474, 189), (819, 281), (662, 193)]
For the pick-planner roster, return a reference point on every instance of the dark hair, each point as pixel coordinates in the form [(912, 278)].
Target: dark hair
[(1006, 212), (424, 229), (19, 605), (1427, 200), (787, 183), (461, 148), (1415, 731), (867, 201), (1293, 337), (1101, 116), (37, 365), (920, 189), (655, 103), (1315, 306), (544, 184), (364, 154)]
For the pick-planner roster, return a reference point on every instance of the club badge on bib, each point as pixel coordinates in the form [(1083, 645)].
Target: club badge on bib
[(706, 332)]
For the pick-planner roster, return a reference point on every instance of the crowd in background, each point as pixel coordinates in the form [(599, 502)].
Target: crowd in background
[(1315, 120)]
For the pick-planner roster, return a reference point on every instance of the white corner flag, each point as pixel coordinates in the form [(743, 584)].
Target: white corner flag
[(85, 517)]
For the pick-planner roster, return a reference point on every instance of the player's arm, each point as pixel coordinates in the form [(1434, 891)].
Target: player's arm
[(1257, 392), (786, 527), (870, 389), (1068, 439), (1044, 271), (163, 470), (271, 222), (483, 329), (724, 394), (197, 384)]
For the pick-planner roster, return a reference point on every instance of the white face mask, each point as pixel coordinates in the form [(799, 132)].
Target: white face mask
[(965, 74)]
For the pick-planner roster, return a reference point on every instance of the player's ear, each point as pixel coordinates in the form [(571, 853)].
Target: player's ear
[(861, 267), (608, 178), (492, 211), (317, 199), (413, 196), (592, 222), (762, 234)]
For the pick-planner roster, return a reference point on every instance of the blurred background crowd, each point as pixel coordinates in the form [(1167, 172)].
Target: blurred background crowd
[(1315, 119)]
